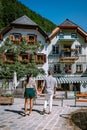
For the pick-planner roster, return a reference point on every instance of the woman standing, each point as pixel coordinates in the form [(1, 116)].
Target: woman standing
[(30, 93)]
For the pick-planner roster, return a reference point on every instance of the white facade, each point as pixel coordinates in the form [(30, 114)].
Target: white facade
[(66, 54)]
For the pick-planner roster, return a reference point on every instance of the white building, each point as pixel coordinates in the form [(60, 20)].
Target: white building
[(67, 56), (24, 27), (64, 51)]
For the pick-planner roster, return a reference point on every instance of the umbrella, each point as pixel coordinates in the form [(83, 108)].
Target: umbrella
[(15, 83)]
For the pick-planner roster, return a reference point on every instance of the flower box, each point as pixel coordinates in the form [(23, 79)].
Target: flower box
[(79, 71), (6, 100)]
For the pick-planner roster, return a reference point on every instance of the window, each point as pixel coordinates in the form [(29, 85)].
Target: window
[(79, 49), (68, 68), (57, 68), (78, 67), (16, 37), (25, 56), (67, 46), (73, 35), (8, 57), (31, 38), (61, 35), (55, 50), (40, 58)]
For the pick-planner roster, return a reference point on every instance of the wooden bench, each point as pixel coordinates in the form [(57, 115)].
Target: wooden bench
[(81, 98)]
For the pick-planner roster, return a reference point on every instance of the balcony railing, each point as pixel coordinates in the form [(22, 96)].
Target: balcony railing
[(66, 49), (68, 59), (79, 71), (57, 71), (68, 71), (67, 37), (69, 49)]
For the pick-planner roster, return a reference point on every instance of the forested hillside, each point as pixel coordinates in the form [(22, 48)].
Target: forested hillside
[(12, 9)]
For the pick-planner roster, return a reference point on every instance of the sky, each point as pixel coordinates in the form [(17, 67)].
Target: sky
[(57, 11)]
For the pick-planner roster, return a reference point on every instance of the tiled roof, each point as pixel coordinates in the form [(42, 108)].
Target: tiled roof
[(24, 20), (54, 32), (68, 23)]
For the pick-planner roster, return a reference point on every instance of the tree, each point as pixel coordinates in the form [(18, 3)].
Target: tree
[(7, 69)]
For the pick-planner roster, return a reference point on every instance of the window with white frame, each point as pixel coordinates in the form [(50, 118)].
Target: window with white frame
[(73, 35), (55, 49), (68, 67), (57, 68), (79, 68), (79, 49), (61, 35)]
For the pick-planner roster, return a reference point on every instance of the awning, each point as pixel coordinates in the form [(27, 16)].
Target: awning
[(64, 80)]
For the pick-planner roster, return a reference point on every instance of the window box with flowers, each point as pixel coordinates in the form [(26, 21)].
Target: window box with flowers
[(69, 71), (24, 61), (74, 49), (6, 99), (79, 71), (6, 95), (40, 62)]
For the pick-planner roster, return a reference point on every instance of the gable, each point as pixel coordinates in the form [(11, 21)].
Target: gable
[(24, 23), (24, 20), (67, 24)]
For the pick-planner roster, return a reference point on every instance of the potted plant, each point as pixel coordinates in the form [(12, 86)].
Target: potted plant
[(6, 97)]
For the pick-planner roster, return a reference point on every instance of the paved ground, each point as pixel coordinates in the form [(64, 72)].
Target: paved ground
[(11, 116)]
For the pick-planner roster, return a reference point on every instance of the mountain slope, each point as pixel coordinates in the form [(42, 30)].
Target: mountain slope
[(12, 9)]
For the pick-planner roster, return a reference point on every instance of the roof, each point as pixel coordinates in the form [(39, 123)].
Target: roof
[(24, 20), (26, 23), (54, 32), (67, 24)]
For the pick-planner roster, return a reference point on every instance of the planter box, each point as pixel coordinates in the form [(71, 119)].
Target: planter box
[(6, 100)]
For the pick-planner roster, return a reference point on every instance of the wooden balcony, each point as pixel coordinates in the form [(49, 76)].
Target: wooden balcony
[(66, 49), (74, 49), (69, 37), (68, 71), (79, 71), (57, 71), (68, 59)]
